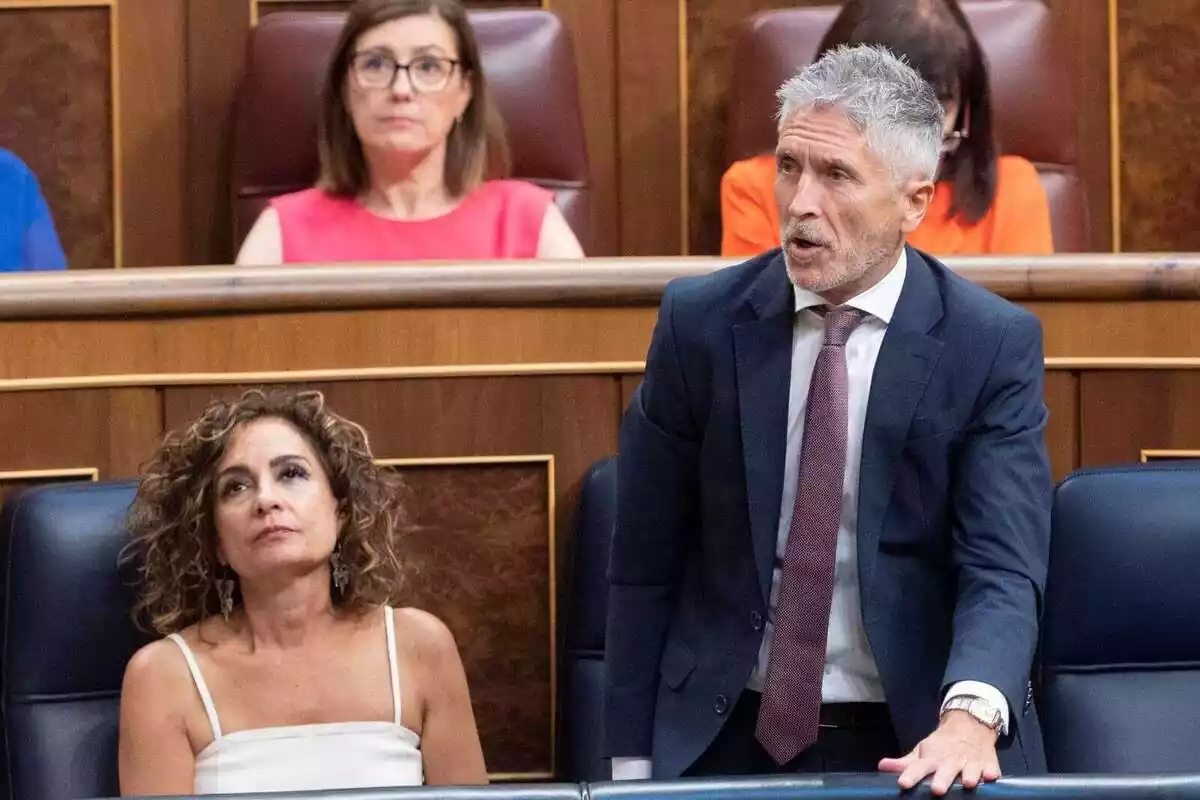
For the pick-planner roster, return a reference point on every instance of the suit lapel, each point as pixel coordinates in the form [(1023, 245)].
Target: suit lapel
[(906, 361), (763, 356)]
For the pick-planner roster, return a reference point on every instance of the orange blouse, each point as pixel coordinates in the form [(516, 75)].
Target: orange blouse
[(1018, 223)]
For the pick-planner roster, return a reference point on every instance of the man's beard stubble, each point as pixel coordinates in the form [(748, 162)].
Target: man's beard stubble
[(844, 265)]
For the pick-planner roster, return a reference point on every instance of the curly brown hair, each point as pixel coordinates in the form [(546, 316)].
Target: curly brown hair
[(173, 546)]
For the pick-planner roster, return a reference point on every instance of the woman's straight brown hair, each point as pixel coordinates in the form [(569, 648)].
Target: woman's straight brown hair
[(476, 149), (936, 40)]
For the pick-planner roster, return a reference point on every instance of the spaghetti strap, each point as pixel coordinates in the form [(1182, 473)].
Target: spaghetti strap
[(201, 686), (393, 669)]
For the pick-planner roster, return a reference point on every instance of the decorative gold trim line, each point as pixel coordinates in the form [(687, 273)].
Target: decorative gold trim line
[(1114, 124), (165, 379), (1167, 455), (616, 368), (508, 777), (685, 189), (315, 375), (465, 461), (118, 185), (6, 5), (91, 473), (546, 459), (254, 15), (552, 547)]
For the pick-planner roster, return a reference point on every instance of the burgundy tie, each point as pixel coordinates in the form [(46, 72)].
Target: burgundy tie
[(791, 702)]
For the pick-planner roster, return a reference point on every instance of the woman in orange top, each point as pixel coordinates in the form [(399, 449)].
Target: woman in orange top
[(982, 203)]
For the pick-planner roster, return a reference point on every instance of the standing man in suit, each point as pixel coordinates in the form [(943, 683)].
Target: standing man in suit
[(834, 494)]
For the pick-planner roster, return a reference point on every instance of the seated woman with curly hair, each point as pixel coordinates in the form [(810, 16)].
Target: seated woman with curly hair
[(265, 540)]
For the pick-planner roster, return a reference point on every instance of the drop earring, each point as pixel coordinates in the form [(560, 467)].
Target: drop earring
[(341, 573), (225, 594)]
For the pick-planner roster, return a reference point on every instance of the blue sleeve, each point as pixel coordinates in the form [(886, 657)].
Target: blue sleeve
[(1002, 532), (40, 248), (656, 506)]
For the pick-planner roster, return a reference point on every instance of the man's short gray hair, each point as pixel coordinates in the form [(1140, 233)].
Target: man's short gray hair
[(882, 96)]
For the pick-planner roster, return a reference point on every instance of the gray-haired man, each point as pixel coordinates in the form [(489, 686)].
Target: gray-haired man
[(833, 491)]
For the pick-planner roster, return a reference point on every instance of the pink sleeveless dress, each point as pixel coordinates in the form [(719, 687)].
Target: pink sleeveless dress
[(499, 220)]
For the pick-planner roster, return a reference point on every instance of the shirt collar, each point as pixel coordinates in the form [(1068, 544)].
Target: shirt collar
[(879, 301)]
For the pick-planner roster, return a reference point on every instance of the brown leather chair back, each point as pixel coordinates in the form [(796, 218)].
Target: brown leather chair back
[(1033, 107), (530, 69)]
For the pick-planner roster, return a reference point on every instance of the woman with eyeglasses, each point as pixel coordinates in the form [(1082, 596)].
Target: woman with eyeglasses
[(411, 153), (984, 203)]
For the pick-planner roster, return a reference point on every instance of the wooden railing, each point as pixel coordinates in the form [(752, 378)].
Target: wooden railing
[(595, 282)]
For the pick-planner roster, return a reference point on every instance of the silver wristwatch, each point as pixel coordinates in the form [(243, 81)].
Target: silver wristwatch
[(978, 708)]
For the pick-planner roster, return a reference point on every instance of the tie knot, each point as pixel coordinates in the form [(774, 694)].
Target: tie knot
[(840, 322)]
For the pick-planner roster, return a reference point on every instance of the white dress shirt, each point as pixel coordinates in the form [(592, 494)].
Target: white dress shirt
[(850, 672)]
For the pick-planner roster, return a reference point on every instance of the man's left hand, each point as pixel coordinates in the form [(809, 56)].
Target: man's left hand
[(961, 746)]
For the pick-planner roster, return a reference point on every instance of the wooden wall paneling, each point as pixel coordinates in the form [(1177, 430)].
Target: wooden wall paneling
[(1083, 28), (629, 385), (1062, 431), (216, 41), (1159, 116), (479, 546), (152, 47), (651, 108), (712, 26), (1124, 412), (135, 429), (270, 6), (263, 7), (110, 430), (57, 96), (592, 26)]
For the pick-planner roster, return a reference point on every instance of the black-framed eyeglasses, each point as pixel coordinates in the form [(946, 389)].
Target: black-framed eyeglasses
[(379, 71)]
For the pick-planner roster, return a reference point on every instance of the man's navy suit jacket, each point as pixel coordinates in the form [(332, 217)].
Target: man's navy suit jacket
[(953, 508)]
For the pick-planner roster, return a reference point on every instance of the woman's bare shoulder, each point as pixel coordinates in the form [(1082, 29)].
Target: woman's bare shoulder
[(157, 673), (164, 661), (424, 635)]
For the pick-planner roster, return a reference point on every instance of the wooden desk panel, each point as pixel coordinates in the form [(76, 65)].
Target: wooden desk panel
[(316, 340), (1124, 413), (1062, 431), (109, 430)]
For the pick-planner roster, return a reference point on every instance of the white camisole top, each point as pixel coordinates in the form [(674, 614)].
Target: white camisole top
[(333, 755)]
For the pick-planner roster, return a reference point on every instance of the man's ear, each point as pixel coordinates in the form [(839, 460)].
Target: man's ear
[(917, 197)]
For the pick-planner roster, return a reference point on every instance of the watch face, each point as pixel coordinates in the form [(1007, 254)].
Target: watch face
[(986, 713)]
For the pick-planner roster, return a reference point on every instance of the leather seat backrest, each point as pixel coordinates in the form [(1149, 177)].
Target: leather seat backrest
[(1120, 639), (530, 69), (1033, 105), (582, 720), (67, 638)]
